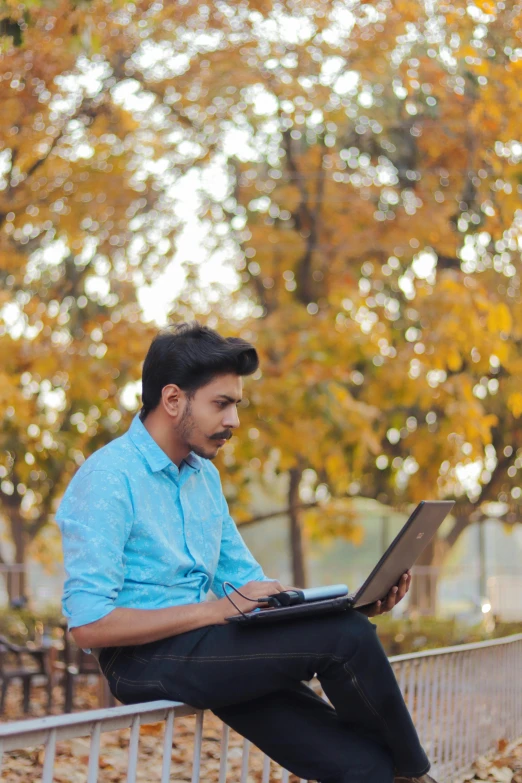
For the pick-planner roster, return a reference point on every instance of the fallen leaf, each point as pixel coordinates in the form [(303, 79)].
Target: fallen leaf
[(502, 774)]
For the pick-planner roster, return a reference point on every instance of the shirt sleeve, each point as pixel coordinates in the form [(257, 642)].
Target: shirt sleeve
[(236, 563), (95, 519)]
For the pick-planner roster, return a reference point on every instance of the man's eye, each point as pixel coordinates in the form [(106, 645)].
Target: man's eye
[(222, 404)]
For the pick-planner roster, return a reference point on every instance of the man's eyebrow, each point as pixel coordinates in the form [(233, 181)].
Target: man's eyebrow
[(230, 399)]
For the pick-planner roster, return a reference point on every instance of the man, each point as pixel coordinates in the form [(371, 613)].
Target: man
[(147, 534)]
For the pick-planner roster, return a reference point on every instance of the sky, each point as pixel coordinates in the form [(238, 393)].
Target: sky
[(155, 299)]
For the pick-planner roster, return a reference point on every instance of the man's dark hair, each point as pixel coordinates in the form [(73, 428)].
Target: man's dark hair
[(191, 355)]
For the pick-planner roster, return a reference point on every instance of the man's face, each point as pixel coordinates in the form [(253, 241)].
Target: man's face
[(210, 416)]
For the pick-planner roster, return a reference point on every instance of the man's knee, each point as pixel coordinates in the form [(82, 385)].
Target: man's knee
[(379, 768), (350, 636), (370, 764), (360, 628)]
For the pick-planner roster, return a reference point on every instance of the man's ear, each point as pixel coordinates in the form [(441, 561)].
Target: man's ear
[(171, 397)]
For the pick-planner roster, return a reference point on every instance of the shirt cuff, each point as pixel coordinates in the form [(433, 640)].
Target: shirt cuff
[(86, 616)]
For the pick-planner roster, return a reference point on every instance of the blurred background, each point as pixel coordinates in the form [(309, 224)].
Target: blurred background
[(339, 183)]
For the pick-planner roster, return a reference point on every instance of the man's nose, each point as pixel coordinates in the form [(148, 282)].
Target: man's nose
[(231, 419)]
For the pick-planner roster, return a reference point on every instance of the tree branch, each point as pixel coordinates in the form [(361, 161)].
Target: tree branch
[(274, 514), (461, 524)]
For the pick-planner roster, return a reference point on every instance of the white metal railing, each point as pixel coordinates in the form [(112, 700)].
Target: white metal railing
[(463, 699), (48, 731)]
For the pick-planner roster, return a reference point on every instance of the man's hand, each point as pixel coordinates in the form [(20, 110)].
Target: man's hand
[(224, 608), (395, 595)]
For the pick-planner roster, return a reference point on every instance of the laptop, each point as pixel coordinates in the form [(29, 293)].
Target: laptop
[(400, 556)]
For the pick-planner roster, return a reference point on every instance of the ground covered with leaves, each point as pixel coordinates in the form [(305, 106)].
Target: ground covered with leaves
[(505, 766), (25, 765)]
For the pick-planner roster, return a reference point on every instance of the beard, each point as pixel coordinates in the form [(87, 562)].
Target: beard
[(189, 431)]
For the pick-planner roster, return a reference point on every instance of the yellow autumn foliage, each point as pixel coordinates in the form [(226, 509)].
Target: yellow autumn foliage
[(366, 191)]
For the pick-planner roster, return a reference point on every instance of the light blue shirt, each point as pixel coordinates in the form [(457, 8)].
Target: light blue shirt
[(137, 532)]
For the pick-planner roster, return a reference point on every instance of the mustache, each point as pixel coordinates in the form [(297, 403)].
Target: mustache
[(226, 435)]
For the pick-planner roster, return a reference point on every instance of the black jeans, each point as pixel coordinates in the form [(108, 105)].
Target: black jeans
[(251, 678)]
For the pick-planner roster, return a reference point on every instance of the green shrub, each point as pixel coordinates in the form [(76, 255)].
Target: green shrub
[(398, 635), (404, 635), (23, 625)]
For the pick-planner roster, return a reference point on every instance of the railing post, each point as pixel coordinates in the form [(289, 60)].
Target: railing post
[(196, 763), (94, 754), (244, 761), (50, 751), (167, 747), (133, 750), (223, 763), (266, 770)]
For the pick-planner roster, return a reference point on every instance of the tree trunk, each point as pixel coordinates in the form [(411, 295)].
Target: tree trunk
[(423, 590), (483, 577), (16, 582), (297, 548)]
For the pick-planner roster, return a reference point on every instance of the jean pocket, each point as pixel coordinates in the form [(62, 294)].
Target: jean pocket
[(107, 659), (133, 691)]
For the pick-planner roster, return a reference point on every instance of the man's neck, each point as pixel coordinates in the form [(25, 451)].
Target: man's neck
[(162, 434)]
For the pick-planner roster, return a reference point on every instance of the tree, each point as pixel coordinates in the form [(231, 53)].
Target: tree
[(373, 210), (359, 164), (85, 217)]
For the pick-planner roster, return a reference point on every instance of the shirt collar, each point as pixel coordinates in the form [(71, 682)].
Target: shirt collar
[(155, 456)]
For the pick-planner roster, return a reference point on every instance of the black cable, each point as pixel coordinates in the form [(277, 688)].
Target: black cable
[(236, 607)]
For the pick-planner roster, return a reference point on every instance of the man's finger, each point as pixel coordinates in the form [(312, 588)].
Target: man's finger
[(393, 598), (273, 587), (407, 583), (403, 587)]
